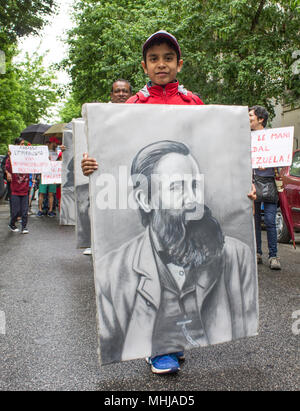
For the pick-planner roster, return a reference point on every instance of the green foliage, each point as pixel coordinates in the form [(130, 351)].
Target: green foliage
[(12, 107), (26, 90), (234, 51), (27, 93), (38, 84), (19, 18), (243, 53), (70, 110)]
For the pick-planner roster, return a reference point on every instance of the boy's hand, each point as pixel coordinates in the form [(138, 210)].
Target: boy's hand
[(88, 165), (8, 177), (252, 194)]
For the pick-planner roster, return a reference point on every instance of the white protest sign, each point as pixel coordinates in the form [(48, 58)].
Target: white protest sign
[(29, 159), (272, 147), (54, 175)]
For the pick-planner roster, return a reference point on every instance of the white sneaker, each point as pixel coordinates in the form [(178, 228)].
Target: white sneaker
[(24, 231), (87, 251), (274, 263), (13, 228)]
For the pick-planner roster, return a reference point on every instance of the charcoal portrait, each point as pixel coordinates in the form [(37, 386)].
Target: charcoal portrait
[(177, 271)]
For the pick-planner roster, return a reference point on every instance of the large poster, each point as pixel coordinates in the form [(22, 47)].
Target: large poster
[(172, 227), (67, 203), (82, 203)]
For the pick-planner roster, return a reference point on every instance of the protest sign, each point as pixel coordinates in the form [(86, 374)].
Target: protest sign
[(172, 227), (67, 203), (272, 147), (82, 202), (29, 159), (54, 174)]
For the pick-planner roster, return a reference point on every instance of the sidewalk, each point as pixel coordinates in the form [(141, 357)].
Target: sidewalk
[(50, 341)]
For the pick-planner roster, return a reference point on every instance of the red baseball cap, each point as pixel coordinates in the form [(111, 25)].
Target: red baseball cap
[(161, 34)]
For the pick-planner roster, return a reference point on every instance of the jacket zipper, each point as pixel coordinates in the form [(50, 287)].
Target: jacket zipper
[(165, 95)]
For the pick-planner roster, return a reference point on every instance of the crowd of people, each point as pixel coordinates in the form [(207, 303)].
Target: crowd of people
[(162, 61), (23, 187)]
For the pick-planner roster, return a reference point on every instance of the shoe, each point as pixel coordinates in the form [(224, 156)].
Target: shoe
[(87, 251), (13, 228), (259, 258), (180, 355), (164, 364), (39, 214), (51, 214), (274, 263), (30, 212), (24, 231)]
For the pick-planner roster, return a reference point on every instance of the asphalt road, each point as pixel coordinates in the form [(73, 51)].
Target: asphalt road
[(48, 338)]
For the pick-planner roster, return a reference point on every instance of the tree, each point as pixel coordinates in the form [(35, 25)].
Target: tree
[(70, 110), (19, 18), (38, 85), (12, 104), (235, 51), (22, 97), (27, 93), (243, 52)]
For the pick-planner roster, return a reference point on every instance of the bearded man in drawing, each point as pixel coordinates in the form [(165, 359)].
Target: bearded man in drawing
[(181, 283)]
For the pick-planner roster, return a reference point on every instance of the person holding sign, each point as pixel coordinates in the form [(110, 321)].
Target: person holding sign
[(19, 184), (258, 117), (161, 62), (48, 189)]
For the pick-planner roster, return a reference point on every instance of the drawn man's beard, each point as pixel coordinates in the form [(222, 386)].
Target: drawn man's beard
[(186, 241)]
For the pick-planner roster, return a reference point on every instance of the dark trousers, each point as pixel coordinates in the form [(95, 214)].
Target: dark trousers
[(270, 210), (8, 196), (19, 207)]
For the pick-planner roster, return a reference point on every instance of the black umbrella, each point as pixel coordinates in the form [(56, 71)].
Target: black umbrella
[(34, 133)]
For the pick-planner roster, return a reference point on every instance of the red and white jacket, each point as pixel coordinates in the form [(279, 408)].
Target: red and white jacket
[(172, 93)]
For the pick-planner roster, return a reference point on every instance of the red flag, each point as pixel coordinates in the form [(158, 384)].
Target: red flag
[(285, 208)]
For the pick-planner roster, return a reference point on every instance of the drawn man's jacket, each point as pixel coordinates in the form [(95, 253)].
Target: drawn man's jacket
[(128, 297)]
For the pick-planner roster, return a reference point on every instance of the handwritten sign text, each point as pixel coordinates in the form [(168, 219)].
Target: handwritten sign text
[(54, 175), (29, 159), (272, 147)]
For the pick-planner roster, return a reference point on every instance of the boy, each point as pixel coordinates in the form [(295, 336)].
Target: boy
[(19, 184), (161, 62)]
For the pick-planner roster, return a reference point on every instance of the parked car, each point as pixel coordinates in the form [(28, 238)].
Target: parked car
[(3, 186), (291, 183)]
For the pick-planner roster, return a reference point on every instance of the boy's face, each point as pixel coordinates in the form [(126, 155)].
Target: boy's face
[(161, 64)]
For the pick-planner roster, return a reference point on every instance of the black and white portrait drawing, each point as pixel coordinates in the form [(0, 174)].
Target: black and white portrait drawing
[(175, 269), (67, 206), (81, 183)]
